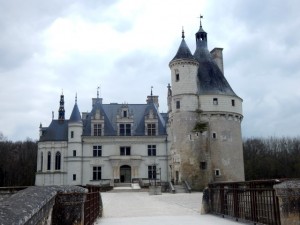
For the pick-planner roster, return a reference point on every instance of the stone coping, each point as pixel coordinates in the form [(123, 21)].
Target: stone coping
[(288, 188), (21, 206)]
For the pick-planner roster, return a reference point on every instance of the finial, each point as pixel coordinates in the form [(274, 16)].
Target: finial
[(151, 91), (98, 91), (200, 20), (52, 115), (182, 33), (62, 91), (76, 98)]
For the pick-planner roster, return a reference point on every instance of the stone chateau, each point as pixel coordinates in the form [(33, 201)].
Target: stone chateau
[(198, 140)]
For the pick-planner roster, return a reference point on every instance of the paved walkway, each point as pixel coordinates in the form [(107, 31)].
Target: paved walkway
[(140, 208)]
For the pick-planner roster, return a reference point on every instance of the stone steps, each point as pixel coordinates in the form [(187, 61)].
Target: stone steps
[(180, 189)]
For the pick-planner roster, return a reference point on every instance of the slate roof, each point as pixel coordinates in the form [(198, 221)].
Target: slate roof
[(58, 129), (75, 115), (110, 112), (183, 52), (211, 78)]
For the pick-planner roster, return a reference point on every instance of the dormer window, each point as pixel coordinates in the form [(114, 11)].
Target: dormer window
[(125, 129), (151, 129), (125, 114), (97, 129)]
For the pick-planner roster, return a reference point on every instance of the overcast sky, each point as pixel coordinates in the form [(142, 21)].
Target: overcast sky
[(125, 47)]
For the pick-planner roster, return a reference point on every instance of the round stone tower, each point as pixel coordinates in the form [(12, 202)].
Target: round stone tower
[(204, 118)]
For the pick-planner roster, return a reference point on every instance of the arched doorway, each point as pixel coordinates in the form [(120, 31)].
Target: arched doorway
[(125, 174)]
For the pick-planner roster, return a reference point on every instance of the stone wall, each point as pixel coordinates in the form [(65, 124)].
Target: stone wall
[(34, 205)]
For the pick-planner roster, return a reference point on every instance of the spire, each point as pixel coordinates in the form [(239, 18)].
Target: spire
[(75, 115), (183, 51), (61, 110), (98, 91), (151, 91), (201, 36)]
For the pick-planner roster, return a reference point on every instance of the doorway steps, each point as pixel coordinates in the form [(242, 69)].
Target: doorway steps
[(126, 187)]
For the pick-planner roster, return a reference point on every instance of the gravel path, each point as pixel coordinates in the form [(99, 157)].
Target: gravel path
[(140, 208)]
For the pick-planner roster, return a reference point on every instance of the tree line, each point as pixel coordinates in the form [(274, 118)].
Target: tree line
[(17, 162), (264, 158), (269, 158)]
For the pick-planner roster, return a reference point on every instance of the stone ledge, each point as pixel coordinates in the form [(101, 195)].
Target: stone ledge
[(22, 206)]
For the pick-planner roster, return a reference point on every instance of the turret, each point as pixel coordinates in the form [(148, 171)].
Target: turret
[(75, 124)]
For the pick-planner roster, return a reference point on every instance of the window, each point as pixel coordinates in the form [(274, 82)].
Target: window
[(49, 161), (177, 104), (97, 173), (152, 172), (74, 176), (125, 150), (215, 101), (97, 150), (97, 129), (214, 135), (57, 160), (72, 134), (217, 173), (151, 129), (125, 129), (203, 165), (151, 150), (125, 113), (42, 161), (74, 153), (232, 102), (176, 75)]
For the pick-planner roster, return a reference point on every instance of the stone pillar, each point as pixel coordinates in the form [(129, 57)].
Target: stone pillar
[(69, 207), (288, 194)]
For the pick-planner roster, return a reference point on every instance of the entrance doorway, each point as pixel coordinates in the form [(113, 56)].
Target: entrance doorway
[(125, 174)]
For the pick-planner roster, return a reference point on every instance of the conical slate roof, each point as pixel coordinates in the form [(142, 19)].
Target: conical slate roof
[(183, 52), (211, 78), (75, 116)]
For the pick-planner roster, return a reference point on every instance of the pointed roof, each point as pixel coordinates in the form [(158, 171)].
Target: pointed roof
[(75, 116), (211, 78), (183, 51)]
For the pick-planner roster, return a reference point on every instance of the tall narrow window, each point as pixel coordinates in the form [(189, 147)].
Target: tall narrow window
[(151, 172), (151, 150), (97, 129), (74, 176), (151, 129), (125, 129), (177, 104), (74, 153), (214, 135), (176, 75), (57, 160), (97, 150), (217, 172), (215, 101), (232, 102), (97, 173), (72, 134), (125, 150), (49, 161), (42, 161), (125, 113)]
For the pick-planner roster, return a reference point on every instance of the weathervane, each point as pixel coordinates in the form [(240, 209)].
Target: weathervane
[(182, 33), (98, 91), (200, 20)]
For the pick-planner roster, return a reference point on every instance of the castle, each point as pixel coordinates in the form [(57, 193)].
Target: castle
[(198, 140)]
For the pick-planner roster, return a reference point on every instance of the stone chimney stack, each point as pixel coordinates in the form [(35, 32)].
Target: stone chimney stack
[(218, 57)]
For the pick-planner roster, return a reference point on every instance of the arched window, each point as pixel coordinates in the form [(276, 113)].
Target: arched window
[(49, 161), (42, 159), (57, 160)]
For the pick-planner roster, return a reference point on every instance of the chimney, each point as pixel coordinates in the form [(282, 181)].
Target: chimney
[(218, 57)]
